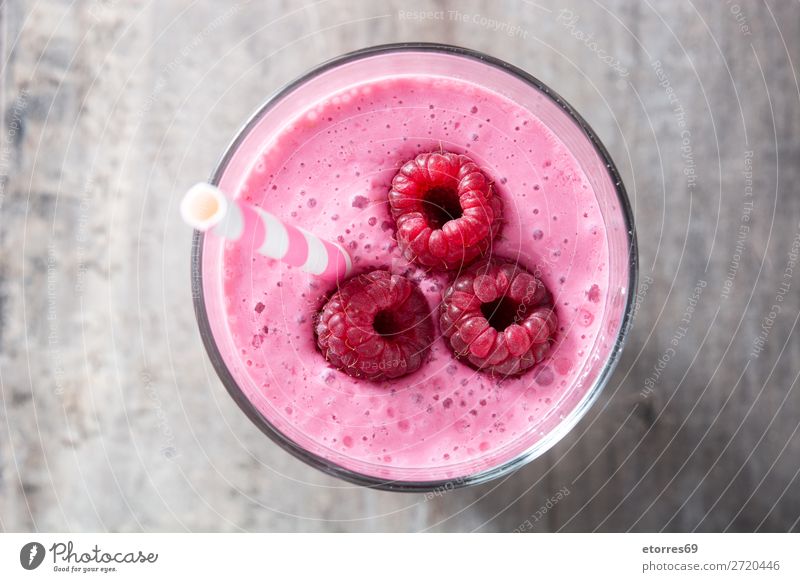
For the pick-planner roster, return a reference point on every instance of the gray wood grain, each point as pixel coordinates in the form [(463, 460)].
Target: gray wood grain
[(111, 416)]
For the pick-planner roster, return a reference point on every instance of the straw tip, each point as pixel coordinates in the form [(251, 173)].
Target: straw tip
[(203, 206)]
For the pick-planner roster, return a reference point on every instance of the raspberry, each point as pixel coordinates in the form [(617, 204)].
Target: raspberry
[(499, 317), (446, 210), (376, 326)]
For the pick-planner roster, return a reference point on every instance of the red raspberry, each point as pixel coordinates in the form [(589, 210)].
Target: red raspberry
[(499, 317), (376, 326), (446, 210)]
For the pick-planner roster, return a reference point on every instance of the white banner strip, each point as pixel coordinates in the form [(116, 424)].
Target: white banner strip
[(399, 557)]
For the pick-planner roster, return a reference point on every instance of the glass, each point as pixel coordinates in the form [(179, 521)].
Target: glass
[(525, 90)]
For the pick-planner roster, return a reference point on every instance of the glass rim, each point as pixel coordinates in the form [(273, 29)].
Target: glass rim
[(327, 466)]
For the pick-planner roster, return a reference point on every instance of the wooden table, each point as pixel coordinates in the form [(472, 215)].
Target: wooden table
[(112, 417)]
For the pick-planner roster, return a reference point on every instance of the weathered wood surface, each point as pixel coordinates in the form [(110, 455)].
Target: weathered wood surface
[(112, 418)]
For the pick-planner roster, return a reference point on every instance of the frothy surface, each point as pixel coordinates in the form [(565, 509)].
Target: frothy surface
[(329, 170)]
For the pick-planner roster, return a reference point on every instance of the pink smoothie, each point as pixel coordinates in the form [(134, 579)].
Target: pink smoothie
[(329, 170)]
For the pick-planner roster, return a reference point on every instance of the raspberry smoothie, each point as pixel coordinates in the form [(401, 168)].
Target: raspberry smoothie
[(329, 168)]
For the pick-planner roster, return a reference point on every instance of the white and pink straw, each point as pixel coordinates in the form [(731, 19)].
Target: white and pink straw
[(206, 207)]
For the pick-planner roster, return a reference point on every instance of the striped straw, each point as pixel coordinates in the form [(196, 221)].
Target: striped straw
[(206, 207)]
